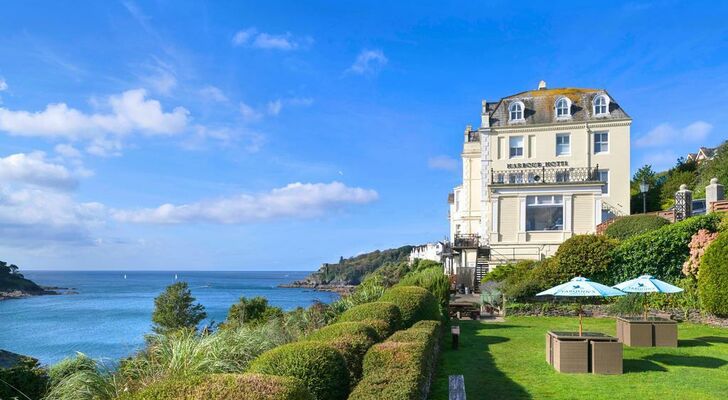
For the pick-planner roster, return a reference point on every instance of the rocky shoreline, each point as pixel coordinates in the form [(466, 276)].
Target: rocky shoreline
[(319, 287), (47, 291)]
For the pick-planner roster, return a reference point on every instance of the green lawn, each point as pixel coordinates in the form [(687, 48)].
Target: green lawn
[(507, 361)]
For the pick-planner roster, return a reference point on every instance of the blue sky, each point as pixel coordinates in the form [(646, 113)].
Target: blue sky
[(279, 135)]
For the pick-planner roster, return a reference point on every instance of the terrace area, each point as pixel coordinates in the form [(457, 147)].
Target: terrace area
[(532, 173)]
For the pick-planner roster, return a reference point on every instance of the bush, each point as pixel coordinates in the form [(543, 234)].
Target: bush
[(626, 227), (342, 328), (255, 310), (713, 280), (353, 348), (661, 252), (226, 386), (415, 304), (26, 376), (321, 368), (401, 367), (698, 244), (432, 279), (589, 256), (378, 310), (528, 278), (70, 366), (382, 327)]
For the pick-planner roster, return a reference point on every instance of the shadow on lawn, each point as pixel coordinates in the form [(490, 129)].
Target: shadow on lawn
[(641, 365), (483, 379), (713, 339), (692, 343), (687, 361)]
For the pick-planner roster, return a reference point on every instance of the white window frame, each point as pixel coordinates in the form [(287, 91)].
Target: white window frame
[(553, 202), (568, 108), (568, 137), (597, 112), (606, 171), (511, 147), (511, 111), (601, 142)]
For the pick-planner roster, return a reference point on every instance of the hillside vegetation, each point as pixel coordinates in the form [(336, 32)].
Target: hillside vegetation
[(11, 280), (350, 271)]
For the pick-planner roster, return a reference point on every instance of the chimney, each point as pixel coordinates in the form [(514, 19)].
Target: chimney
[(542, 85)]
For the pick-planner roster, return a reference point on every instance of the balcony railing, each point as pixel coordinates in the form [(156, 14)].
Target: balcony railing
[(529, 176), (466, 241)]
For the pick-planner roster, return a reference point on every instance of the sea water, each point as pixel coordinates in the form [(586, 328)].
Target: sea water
[(112, 311)]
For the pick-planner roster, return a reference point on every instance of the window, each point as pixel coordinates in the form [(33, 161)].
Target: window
[(562, 176), (603, 176), (544, 213), (516, 111), (601, 142), (500, 178), (563, 108), (515, 177), (601, 105), (563, 144), (516, 146)]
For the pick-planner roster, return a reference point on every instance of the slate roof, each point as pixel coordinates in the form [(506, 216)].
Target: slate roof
[(540, 107)]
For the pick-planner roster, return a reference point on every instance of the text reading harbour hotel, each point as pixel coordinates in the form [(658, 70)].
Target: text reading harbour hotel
[(544, 165)]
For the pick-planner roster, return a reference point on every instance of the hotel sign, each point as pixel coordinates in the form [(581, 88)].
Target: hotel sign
[(547, 164)]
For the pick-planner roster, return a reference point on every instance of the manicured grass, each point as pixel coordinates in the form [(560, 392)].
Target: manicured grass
[(507, 361)]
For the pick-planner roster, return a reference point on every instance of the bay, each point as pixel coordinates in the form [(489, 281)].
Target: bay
[(110, 315)]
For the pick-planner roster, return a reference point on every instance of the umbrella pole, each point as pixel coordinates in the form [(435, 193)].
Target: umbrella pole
[(580, 320), (644, 306)]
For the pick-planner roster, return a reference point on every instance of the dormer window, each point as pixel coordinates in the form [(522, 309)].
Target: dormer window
[(516, 111), (563, 108), (601, 105)]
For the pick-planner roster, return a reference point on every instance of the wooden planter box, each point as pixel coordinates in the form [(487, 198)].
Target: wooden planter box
[(652, 332), (570, 352)]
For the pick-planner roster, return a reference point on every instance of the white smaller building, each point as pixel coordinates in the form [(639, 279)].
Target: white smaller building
[(429, 251)]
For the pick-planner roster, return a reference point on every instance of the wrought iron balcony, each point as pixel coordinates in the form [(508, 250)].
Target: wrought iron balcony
[(531, 176), (466, 241)]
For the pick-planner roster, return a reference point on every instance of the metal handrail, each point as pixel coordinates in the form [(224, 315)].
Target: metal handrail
[(544, 175)]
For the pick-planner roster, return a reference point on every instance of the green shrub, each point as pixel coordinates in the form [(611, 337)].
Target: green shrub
[(434, 280), (382, 327), (378, 310), (589, 256), (352, 348), (226, 386), (713, 277), (255, 310), (527, 278), (415, 304), (661, 252), (341, 328), (401, 367), (26, 377), (70, 366), (626, 227), (503, 272), (321, 368)]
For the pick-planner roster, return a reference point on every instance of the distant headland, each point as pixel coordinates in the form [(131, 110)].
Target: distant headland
[(13, 285)]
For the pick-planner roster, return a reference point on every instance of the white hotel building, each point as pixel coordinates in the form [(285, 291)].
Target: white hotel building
[(544, 165)]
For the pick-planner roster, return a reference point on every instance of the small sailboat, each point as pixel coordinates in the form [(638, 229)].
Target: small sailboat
[(175, 277), (124, 276)]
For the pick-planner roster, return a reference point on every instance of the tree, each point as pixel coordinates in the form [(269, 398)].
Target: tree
[(174, 309), (715, 168), (645, 174), (251, 311)]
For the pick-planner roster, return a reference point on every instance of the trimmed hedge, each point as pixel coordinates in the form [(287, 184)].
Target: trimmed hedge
[(415, 304), (225, 387), (626, 227), (383, 328), (333, 331), (352, 347), (661, 252), (378, 310), (321, 367), (713, 277), (401, 367), (584, 255), (434, 281)]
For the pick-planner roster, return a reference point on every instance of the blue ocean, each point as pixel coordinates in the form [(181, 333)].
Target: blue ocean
[(111, 313)]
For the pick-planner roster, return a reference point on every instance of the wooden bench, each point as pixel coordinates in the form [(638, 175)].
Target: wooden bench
[(455, 330), (457, 387)]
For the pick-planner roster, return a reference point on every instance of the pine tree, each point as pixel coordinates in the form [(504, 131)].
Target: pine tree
[(174, 309)]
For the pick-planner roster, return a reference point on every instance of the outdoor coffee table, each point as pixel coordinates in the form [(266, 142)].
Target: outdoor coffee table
[(593, 352), (650, 332)]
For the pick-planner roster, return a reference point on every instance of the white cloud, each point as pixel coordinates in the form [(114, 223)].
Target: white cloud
[(660, 160), (130, 111), (213, 93), (368, 62), (666, 134), (443, 162), (67, 150), (163, 82), (249, 113), (296, 200), (34, 169), (3, 84), (274, 107), (262, 40)]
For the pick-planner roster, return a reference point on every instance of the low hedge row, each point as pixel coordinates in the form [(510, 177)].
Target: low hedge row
[(225, 387), (378, 310), (632, 225), (401, 367), (333, 331), (713, 277), (415, 304), (321, 367)]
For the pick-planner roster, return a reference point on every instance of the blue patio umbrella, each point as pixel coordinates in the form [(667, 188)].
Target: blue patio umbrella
[(647, 284), (581, 287)]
